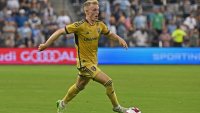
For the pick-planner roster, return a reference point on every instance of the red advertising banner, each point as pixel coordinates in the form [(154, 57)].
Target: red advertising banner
[(33, 56)]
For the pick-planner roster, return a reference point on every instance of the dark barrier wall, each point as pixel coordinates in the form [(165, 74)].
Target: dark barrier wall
[(106, 56)]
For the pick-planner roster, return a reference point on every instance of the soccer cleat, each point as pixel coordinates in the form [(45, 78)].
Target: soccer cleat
[(120, 109), (60, 106)]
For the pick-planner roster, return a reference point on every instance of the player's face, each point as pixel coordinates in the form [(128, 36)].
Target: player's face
[(93, 12)]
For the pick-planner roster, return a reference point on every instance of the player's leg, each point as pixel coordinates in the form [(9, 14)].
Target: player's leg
[(80, 84), (105, 80), (72, 92)]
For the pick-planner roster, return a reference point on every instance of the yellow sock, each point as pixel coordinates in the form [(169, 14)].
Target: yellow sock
[(111, 94), (72, 92)]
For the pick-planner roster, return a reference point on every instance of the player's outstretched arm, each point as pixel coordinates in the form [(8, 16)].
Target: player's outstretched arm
[(122, 42), (52, 38)]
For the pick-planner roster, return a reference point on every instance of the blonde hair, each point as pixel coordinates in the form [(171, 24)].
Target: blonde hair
[(89, 2)]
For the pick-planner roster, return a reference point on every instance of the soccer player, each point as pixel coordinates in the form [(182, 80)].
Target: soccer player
[(87, 33)]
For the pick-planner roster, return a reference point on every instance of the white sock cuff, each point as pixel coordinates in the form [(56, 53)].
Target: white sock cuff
[(62, 103)]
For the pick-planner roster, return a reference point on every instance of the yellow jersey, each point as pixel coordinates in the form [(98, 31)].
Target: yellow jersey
[(178, 35), (86, 40)]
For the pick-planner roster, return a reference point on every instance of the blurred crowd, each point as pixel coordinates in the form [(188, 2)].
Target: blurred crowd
[(152, 23), (27, 23), (142, 23)]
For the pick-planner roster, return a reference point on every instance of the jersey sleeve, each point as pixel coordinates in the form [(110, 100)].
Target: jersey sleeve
[(71, 28), (174, 34), (105, 29)]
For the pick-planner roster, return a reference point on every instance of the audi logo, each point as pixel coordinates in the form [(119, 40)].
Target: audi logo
[(48, 56)]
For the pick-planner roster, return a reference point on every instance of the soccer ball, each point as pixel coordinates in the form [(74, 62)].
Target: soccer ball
[(133, 110)]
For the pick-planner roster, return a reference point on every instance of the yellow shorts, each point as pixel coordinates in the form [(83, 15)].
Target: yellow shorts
[(89, 71)]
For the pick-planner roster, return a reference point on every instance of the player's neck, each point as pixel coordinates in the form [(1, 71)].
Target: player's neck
[(91, 22)]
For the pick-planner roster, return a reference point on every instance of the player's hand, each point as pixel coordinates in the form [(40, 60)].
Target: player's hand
[(42, 47), (123, 43)]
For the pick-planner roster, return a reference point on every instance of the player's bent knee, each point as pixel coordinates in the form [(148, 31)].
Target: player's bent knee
[(109, 88), (108, 83)]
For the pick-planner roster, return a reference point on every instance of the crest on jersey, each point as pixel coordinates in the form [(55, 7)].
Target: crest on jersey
[(93, 68), (87, 32), (98, 30)]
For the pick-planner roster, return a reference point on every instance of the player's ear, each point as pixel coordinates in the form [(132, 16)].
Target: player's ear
[(85, 9)]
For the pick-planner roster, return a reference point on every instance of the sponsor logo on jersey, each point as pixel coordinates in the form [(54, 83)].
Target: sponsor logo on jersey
[(90, 39)]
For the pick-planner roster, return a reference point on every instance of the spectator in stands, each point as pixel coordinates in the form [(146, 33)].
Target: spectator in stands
[(157, 23), (141, 38), (124, 6), (178, 19), (171, 26), (194, 4), (38, 36), (35, 7), (19, 42), (13, 4), (49, 13), (26, 5), (63, 19), (191, 22), (122, 31), (135, 5), (116, 11), (128, 24), (173, 6), (167, 15), (49, 29), (165, 38), (147, 5), (154, 38), (105, 42), (9, 30), (105, 10), (24, 36), (140, 21), (178, 37), (34, 20), (8, 15), (187, 8), (21, 18)]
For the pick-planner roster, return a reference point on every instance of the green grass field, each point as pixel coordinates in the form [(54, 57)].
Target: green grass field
[(152, 88)]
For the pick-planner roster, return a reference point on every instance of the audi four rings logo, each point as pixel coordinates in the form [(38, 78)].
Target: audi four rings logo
[(47, 56)]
